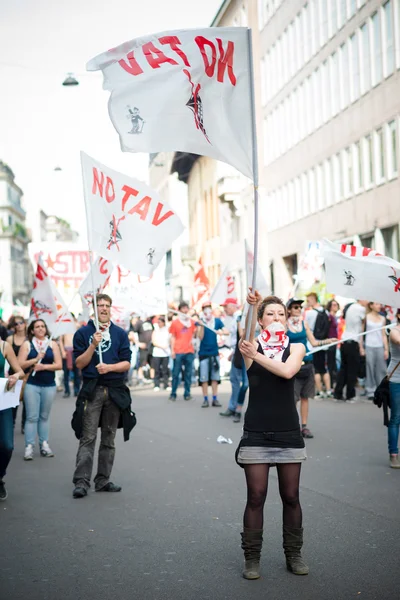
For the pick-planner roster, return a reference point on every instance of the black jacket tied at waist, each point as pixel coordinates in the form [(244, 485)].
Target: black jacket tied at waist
[(118, 393)]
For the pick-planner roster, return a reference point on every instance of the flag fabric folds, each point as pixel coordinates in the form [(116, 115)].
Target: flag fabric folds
[(361, 273), (201, 286), (225, 288), (98, 277), (184, 90), (128, 223), (261, 283), (47, 304)]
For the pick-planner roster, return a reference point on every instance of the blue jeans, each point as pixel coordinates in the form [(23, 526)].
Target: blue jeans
[(240, 383), (6, 439), (394, 423), (186, 361), (38, 402)]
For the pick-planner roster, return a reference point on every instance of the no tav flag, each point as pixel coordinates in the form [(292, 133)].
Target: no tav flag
[(128, 223), (184, 90), (225, 288), (361, 273), (47, 304)]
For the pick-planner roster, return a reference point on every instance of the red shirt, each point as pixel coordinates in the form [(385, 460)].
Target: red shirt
[(183, 337)]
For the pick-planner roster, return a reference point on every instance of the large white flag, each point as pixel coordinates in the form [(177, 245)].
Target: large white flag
[(182, 90), (98, 277), (47, 304), (361, 273), (128, 222), (201, 286), (261, 283), (225, 288)]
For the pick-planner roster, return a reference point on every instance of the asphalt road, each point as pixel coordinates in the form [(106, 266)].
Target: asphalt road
[(173, 531)]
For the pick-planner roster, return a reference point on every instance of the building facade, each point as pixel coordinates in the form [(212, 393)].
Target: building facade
[(15, 270), (330, 89)]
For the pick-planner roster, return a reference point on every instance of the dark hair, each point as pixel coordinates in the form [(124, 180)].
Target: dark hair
[(103, 297), (183, 305), (266, 302), (32, 325), (161, 319), (13, 319), (329, 305), (398, 315)]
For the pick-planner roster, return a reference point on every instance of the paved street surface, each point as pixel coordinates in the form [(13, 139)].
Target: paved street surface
[(173, 532)]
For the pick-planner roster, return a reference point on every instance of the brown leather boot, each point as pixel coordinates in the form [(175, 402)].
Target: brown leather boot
[(252, 543), (292, 545)]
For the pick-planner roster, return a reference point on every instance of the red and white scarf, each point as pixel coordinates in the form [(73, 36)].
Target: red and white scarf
[(104, 329), (274, 341), (40, 345), (295, 324)]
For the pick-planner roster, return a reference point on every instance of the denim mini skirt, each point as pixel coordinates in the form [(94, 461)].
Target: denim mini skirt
[(254, 455)]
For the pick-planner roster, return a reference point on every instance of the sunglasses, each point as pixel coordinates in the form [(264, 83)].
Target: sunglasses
[(19, 323), (295, 306)]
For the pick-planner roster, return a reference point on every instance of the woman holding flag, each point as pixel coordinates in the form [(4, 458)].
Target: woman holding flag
[(41, 358), (271, 432)]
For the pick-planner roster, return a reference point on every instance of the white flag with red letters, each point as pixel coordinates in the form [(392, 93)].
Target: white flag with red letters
[(129, 224), (98, 277), (225, 288), (47, 304), (201, 286), (361, 273), (186, 90)]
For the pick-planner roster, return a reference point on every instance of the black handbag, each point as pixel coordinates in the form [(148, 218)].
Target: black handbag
[(382, 395)]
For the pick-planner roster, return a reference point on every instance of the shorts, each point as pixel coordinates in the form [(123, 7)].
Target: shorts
[(144, 357), (209, 370), (304, 387), (256, 455), (319, 360)]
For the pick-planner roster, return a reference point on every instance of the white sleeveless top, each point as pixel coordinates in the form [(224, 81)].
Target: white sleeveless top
[(373, 338)]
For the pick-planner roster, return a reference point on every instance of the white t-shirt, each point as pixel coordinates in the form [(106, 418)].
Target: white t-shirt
[(355, 315), (162, 337)]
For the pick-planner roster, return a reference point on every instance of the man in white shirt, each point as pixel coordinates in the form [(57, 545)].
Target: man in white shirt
[(351, 351)]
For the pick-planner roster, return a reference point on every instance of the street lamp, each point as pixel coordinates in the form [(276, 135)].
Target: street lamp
[(70, 80)]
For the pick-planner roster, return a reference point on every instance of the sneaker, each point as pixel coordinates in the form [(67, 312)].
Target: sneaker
[(187, 397), (168, 388), (46, 451), (173, 398), (205, 404), (329, 394), (66, 395), (227, 413), (306, 433), (237, 418), (216, 403), (3, 491), (28, 452), (351, 401), (110, 487), (394, 461), (156, 389), (79, 492)]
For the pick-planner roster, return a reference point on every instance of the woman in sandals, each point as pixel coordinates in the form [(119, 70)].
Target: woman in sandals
[(42, 358), (271, 432)]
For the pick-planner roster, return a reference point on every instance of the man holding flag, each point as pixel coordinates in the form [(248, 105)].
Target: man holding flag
[(104, 356)]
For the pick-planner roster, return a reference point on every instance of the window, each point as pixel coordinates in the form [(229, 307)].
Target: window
[(304, 195), (388, 38), (292, 49), (306, 34), (397, 31), (376, 43), (320, 188), (368, 241), (379, 155), (358, 167), (344, 76), (299, 42), (328, 181), (315, 41), (297, 194), (334, 62), (391, 240), (352, 7), (325, 93), (323, 21), (355, 68), (368, 161), (347, 165), (365, 58), (290, 263), (333, 21), (342, 16), (391, 144), (312, 191), (337, 183)]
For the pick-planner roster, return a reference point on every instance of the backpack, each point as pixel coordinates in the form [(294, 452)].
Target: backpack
[(346, 308), (322, 325)]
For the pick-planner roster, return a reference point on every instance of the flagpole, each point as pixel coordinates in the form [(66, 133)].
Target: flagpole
[(96, 316), (255, 173)]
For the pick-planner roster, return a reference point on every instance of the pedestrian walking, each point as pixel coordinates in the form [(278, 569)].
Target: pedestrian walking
[(319, 324), (161, 353), (17, 325), (333, 308), (271, 433), (69, 363), (182, 330), (209, 365), (299, 332), (351, 350), (41, 357), (103, 398), (393, 372), (144, 332), (6, 415), (376, 348)]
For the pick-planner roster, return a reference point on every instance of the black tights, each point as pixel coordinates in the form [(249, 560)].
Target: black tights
[(257, 486)]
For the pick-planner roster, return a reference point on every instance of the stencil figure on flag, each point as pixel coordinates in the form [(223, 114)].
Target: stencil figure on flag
[(361, 273), (201, 286), (128, 223), (202, 76), (225, 288), (99, 278), (47, 304)]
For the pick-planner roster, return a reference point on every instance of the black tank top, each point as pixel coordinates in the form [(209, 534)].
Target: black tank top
[(272, 408), (16, 349)]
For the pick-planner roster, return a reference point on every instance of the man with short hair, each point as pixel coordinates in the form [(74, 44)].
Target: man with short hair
[(182, 330), (209, 368), (103, 399)]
